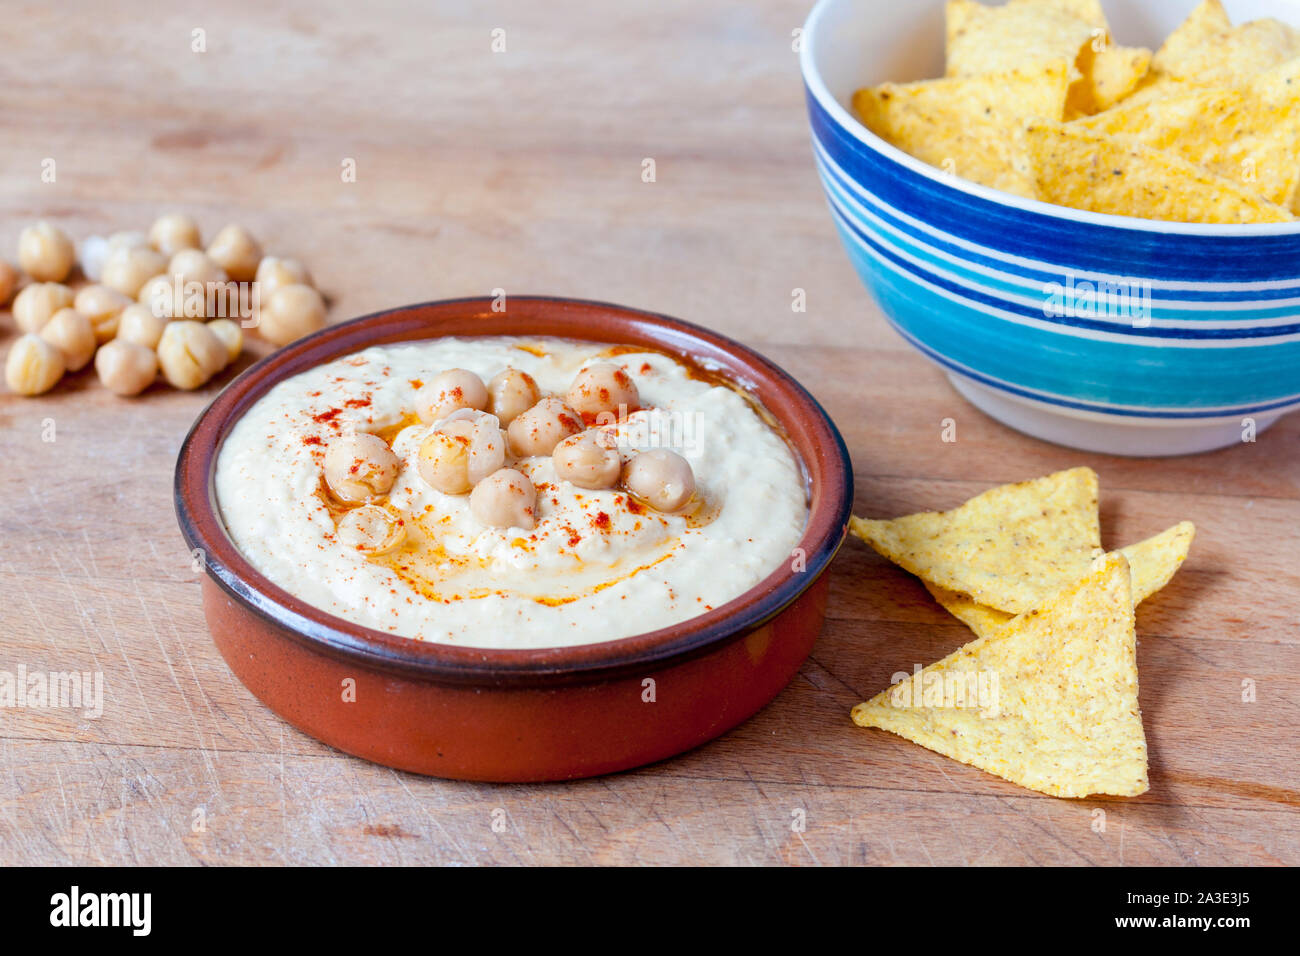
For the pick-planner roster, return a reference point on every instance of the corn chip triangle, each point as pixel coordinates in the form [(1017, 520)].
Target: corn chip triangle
[(1063, 715)]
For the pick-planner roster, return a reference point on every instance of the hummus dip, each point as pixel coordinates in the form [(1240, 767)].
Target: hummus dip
[(596, 565)]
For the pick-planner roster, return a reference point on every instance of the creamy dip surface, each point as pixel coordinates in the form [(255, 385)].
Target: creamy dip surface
[(598, 566)]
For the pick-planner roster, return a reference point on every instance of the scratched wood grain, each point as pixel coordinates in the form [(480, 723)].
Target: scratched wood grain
[(522, 170)]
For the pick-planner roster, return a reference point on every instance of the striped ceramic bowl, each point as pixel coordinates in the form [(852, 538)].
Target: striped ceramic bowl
[(1106, 333)]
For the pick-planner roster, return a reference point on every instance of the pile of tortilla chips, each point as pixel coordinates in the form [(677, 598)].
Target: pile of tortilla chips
[(1039, 101), (1046, 695)]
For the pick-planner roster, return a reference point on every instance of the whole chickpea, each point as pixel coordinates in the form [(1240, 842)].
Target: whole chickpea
[(371, 530), (538, 430), (487, 448), (72, 334), (603, 388), (46, 253), (236, 251), (360, 466), (511, 393), (93, 251), (589, 460), (505, 499), (172, 232), (454, 389), (36, 304), (8, 282), (33, 365), (443, 459), (190, 354), (661, 478), (195, 265), (127, 268), (126, 368), (274, 273), (231, 335), (103, 307), (291, 312), (163, 296), (139, 326)]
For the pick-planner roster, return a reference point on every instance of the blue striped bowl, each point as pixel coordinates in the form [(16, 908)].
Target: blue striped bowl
[(1105, 333)]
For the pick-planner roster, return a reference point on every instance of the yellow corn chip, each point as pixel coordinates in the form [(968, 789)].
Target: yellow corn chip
[(1089, 11), (1279, 90), (1029, 34), (980, 618), (1207, 49), (1152, 87), (1228, 130), (1109, 75), (1154, 560), (1006, 547), (970, 126), (1203, 26), (1021, 36), (1152, 563), (1063, 716), (1091, 171)]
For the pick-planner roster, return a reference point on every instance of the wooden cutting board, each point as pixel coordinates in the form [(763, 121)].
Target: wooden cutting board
[(522, 170)]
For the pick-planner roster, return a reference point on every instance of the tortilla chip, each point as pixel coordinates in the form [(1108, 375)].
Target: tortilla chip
[(1064, 718), (1117, 175), (1089, 11), (1279, 90), (1109, 75), (1024, 36), (1231, 131), (1207, 49), (1203, 26), (980, 618), (1006, 547), (1152, 563), (1152, 87), (1154, 560), (1030, 34), (971, 126)]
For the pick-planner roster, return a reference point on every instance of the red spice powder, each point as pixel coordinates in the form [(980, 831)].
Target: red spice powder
[(601, 521)]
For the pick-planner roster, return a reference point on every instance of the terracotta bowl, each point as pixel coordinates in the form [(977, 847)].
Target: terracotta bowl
[(514, 715)]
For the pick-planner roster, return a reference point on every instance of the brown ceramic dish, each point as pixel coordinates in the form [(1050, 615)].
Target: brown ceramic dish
[(543, 714)]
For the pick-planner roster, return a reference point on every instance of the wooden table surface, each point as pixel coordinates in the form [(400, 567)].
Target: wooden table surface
[(522, 170)]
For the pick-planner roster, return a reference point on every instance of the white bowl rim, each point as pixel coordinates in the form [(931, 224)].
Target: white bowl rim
[(812, 77)]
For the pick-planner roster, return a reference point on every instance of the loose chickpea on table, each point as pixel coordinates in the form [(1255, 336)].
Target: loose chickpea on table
[(126, 368), (72, 334), (46, 253), (33, 365), (140, 286)]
